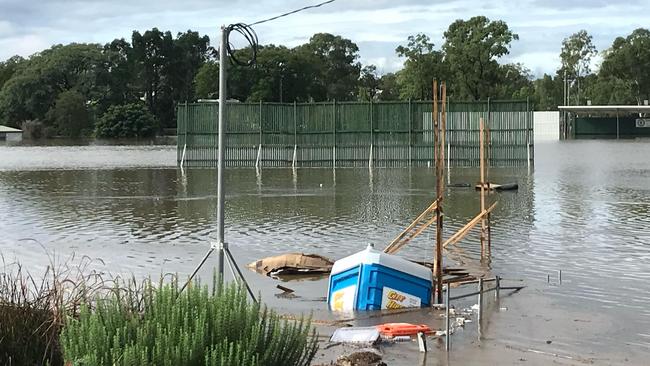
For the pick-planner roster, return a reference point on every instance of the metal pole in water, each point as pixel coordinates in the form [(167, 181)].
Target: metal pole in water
[(497, 287), (480, 303), (221, 151), (447, 338)]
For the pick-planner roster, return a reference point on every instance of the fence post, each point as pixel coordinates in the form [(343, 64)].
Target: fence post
[(488, 128), (528, 155), (372, 141), (258, 161), (295, 135), (410, 123), (334, 133)]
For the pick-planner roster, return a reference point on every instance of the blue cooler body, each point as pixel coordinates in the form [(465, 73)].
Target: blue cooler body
[(374, 280)]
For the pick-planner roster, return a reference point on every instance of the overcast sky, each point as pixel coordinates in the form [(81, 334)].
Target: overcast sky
[(377, 26)]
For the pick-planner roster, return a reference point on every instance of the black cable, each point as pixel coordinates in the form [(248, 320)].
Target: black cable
[(249, 34), (293, 12)]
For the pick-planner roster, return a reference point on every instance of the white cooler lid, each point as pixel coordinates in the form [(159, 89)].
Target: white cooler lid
[(372, 256)]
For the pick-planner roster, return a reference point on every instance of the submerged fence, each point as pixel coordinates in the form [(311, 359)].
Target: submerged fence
[(349, 134)]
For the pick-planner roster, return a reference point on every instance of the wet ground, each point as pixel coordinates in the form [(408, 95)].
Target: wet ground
[(583, 209)]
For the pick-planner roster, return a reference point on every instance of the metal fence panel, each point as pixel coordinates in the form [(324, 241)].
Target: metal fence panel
[(349, 134)]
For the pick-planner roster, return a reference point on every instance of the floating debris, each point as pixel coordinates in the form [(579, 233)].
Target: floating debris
[(369, 335), (403, 329), (500, 187), (374, 280), (292, 264), (364, 357)]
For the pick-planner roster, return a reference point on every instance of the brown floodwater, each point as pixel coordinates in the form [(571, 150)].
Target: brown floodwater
[(584, 208)]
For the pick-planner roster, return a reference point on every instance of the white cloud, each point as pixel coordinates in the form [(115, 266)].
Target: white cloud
[(378, 26), (6, 29), (23, 45)]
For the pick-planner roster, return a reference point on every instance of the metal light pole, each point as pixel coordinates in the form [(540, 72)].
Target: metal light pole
[(281, 64), (221, 151)]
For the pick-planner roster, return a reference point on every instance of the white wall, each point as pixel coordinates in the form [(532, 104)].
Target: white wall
[(14, 136), (546, 126)]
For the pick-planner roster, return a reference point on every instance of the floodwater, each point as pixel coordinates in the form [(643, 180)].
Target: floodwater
[(584, 209)]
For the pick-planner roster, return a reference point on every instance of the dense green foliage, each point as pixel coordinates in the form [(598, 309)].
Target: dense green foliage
[(195, 327), (162, 70), (69, 114), (129, 120)]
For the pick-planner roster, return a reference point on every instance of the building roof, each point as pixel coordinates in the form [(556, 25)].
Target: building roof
[(6, 129), (605, 109)]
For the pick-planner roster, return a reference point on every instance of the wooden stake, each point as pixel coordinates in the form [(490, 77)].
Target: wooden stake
[(488, 152), (482, 167), (443, 129)]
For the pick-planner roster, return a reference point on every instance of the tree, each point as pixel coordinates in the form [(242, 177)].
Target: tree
[(472, 48), (70, 114), (191, 51), (166, 67), (610, 90), (117, 82), (576, 55), (152, 52), (337, 69), (368, 83), (628, 60), (388, 87), (273, 78), (8, 69), (206, 81), (515, 82), (548, 92), (129, 120), (24, 97), (422, 65), (33, 89)]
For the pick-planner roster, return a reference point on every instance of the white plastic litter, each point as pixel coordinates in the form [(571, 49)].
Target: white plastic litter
[(355, 335), (401, 339)]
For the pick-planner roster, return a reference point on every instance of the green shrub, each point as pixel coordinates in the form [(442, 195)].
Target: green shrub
[(197, 327), (33, 129), (128, 120), (70, 114)]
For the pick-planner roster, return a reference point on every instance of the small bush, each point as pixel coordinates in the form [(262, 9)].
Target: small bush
[(33, 129), (70, 114), (197, 327), (129, 120)]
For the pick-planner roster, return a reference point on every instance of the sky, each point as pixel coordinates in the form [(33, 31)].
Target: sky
[(376, 26)]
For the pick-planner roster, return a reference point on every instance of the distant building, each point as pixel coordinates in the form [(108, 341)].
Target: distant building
[(605, 121), (546, 126), (10, 134)]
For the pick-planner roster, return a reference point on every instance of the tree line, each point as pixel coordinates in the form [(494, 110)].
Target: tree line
[(130, 88)]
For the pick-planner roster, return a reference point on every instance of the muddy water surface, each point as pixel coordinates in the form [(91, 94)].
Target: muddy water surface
[(583, 209)]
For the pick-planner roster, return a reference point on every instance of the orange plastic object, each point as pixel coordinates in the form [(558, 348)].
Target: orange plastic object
[(402, 329)]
